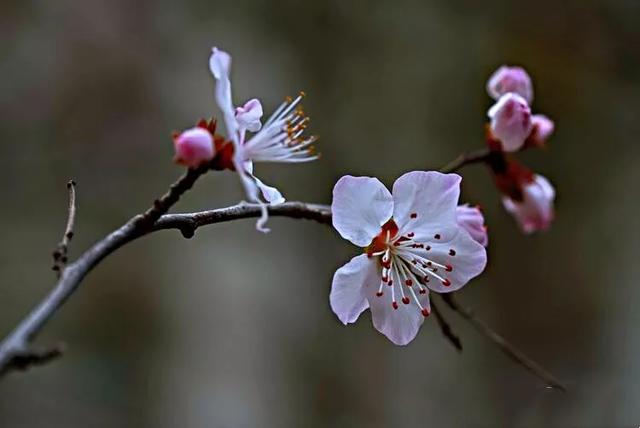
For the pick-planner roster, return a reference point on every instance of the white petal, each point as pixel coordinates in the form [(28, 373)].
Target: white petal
[(220, 66), (425, 203), (270, 194), (360, 206), (347, 290), (399, 325)]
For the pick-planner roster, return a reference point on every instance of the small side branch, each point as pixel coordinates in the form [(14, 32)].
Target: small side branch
[(60, 254), (512, 352), (445, 328), (477, 156)]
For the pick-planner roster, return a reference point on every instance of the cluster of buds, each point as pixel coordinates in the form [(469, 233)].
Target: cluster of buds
[(527, 196)]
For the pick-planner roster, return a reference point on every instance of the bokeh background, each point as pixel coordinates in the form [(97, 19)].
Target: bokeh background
[(232, 328)]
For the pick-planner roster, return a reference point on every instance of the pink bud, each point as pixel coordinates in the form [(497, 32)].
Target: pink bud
[(510, 79), (535, 211), (472, 220), (248, 115), (193, 147), (511, 121), (542, 129)]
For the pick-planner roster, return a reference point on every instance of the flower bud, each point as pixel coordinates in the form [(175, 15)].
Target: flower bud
[(535, 211), (511, 121), (510, 79), (193, 147), (471, 219)]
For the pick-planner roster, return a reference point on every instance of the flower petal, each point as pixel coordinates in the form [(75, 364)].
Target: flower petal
[(270, 194), (471, 219), (425, 203), (360, 206), (248, 116), (399, 325), (220, 66), (463, 257), (347, 297)]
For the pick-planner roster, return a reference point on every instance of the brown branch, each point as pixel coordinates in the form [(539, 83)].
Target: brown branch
[(445, 327), (477, 156), (16, 352), (60, 254), (511, 351)]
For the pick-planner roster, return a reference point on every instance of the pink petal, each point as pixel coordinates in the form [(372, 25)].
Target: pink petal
[(511, 121), (220, 66), (472, 220), (194, 147), (464, 257), (510, 79), (248, 115), (425, 203), (399, 325), (543, 128), (360, 206), (347, 290), (535, 212)]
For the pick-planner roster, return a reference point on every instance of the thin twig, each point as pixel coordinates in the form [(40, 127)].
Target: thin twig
[(60, 254), (550, 380), (445, 327), (464, 159)]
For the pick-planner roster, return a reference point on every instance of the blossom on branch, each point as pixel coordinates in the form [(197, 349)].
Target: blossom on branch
[(412, 243), (193, 147), (280, 139)]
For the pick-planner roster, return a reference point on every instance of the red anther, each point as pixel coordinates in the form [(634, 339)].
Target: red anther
[(448, 268), (410, 234), (422, 291), (437, 236), (414, 215), (386, 264), (425, 312), (426, 278), (379, 293), (452, 252), (429, 263), (428, 247), (446, 282), (390, 283), (385, 278), (409, 282), (405, 300), (414, 261), (394, 304)]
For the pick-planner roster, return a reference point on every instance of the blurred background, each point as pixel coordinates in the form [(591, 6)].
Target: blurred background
[(233, 328)]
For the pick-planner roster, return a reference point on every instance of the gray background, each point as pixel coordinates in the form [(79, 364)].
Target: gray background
[(233, 328)]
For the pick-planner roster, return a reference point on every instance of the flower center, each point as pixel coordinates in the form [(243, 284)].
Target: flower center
[(407, 265)]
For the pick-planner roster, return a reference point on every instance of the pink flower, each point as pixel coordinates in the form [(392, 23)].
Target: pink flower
[(471, 219), (510, 79), (193, 147), (535, 211), (412, 244), (542, 129), (511, 121), (280, 139)]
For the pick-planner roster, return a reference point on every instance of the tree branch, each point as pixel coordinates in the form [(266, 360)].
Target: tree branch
[(445, 328), (468, 158), (60, 254), (511, 351), (16, 352)]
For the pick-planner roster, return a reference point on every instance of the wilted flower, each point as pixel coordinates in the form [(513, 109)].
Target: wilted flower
[(510, 79), (471, 219), (412, 243), (193, 147), (511, 121), (281, 139)]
